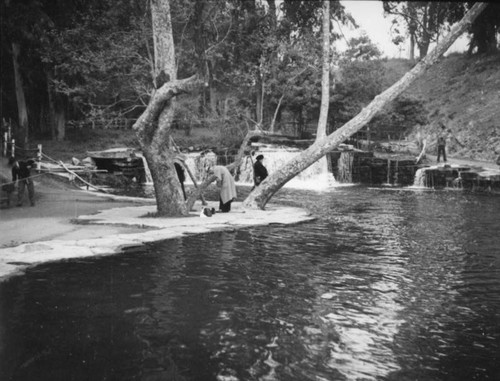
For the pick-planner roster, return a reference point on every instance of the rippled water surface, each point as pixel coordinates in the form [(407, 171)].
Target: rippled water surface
[(384, 285)]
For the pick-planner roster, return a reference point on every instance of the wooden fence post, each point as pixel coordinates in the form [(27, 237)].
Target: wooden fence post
[(5, 143), (39, 158)]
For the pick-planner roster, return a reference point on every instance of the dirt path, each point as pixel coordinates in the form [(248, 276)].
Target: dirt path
[(56, 205)]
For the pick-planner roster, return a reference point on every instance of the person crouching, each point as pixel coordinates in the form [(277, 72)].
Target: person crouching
[(225, 182), (21, 174)]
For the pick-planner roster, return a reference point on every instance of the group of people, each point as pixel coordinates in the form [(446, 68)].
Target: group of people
[(225, 182), (21, 176)]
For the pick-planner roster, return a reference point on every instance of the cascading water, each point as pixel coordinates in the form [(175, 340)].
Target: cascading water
[(420, 178), (147, 172), (316, 176), (197, 164)]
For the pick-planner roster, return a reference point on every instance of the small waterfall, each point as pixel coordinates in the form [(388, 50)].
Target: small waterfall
[(197, 163), (147, 172), (314, 177), (345, 167), (420, 178)]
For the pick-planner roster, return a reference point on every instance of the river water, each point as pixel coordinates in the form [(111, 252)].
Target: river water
[(386, 284)]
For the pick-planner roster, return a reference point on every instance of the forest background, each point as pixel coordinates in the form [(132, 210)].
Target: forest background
[(80, 72)]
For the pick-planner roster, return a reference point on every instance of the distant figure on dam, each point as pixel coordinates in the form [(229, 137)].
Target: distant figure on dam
[(259, 171), (444, 136), (441, 142), (227, 187)]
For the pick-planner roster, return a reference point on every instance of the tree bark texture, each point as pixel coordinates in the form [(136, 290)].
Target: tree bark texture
[(259, 197), (57, 111), (325, 79), (154, 126), (60, 119), (156, 150), (50, 98), (22, 110), (164, 50)]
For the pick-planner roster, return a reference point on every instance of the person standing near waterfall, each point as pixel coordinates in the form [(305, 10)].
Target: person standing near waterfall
[(259, 171), (443, 137), (227, 187), (441, 143)]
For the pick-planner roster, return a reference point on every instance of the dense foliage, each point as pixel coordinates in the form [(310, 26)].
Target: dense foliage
[(423, 22), (89, 64)]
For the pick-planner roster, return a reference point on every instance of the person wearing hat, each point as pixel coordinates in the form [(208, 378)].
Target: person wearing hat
[(21, 174), (259, 171)]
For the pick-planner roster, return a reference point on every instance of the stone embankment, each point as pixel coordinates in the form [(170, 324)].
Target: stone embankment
[(364, 167)]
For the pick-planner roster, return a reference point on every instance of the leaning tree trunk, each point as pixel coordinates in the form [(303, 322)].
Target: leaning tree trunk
[(154, 143), (259, 197), (153, 127)]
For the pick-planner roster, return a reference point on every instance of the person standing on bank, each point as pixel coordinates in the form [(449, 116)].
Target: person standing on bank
[(227, 187), (21, 174), (441, 143), (259, 171)]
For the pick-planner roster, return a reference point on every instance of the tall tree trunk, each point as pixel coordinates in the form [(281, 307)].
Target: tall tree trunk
[(259, 197), (213, 98), (325, 79), (156, 150), (60, 119), (412, 47), (153, 127), (423, 46), (485, 38), (22, 110), (52, 111), (57, 111), (259, 99)]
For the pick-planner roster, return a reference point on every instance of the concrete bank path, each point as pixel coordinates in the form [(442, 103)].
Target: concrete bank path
[(67, 223)]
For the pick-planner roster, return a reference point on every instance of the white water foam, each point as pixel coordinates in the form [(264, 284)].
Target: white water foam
[(315, 177)]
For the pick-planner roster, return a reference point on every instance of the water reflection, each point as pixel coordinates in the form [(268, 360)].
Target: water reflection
[(385, 285)]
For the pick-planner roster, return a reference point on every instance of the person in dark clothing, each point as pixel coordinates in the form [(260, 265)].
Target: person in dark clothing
[(441, 143), (259, 171), (181, 176), (21, 174)]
